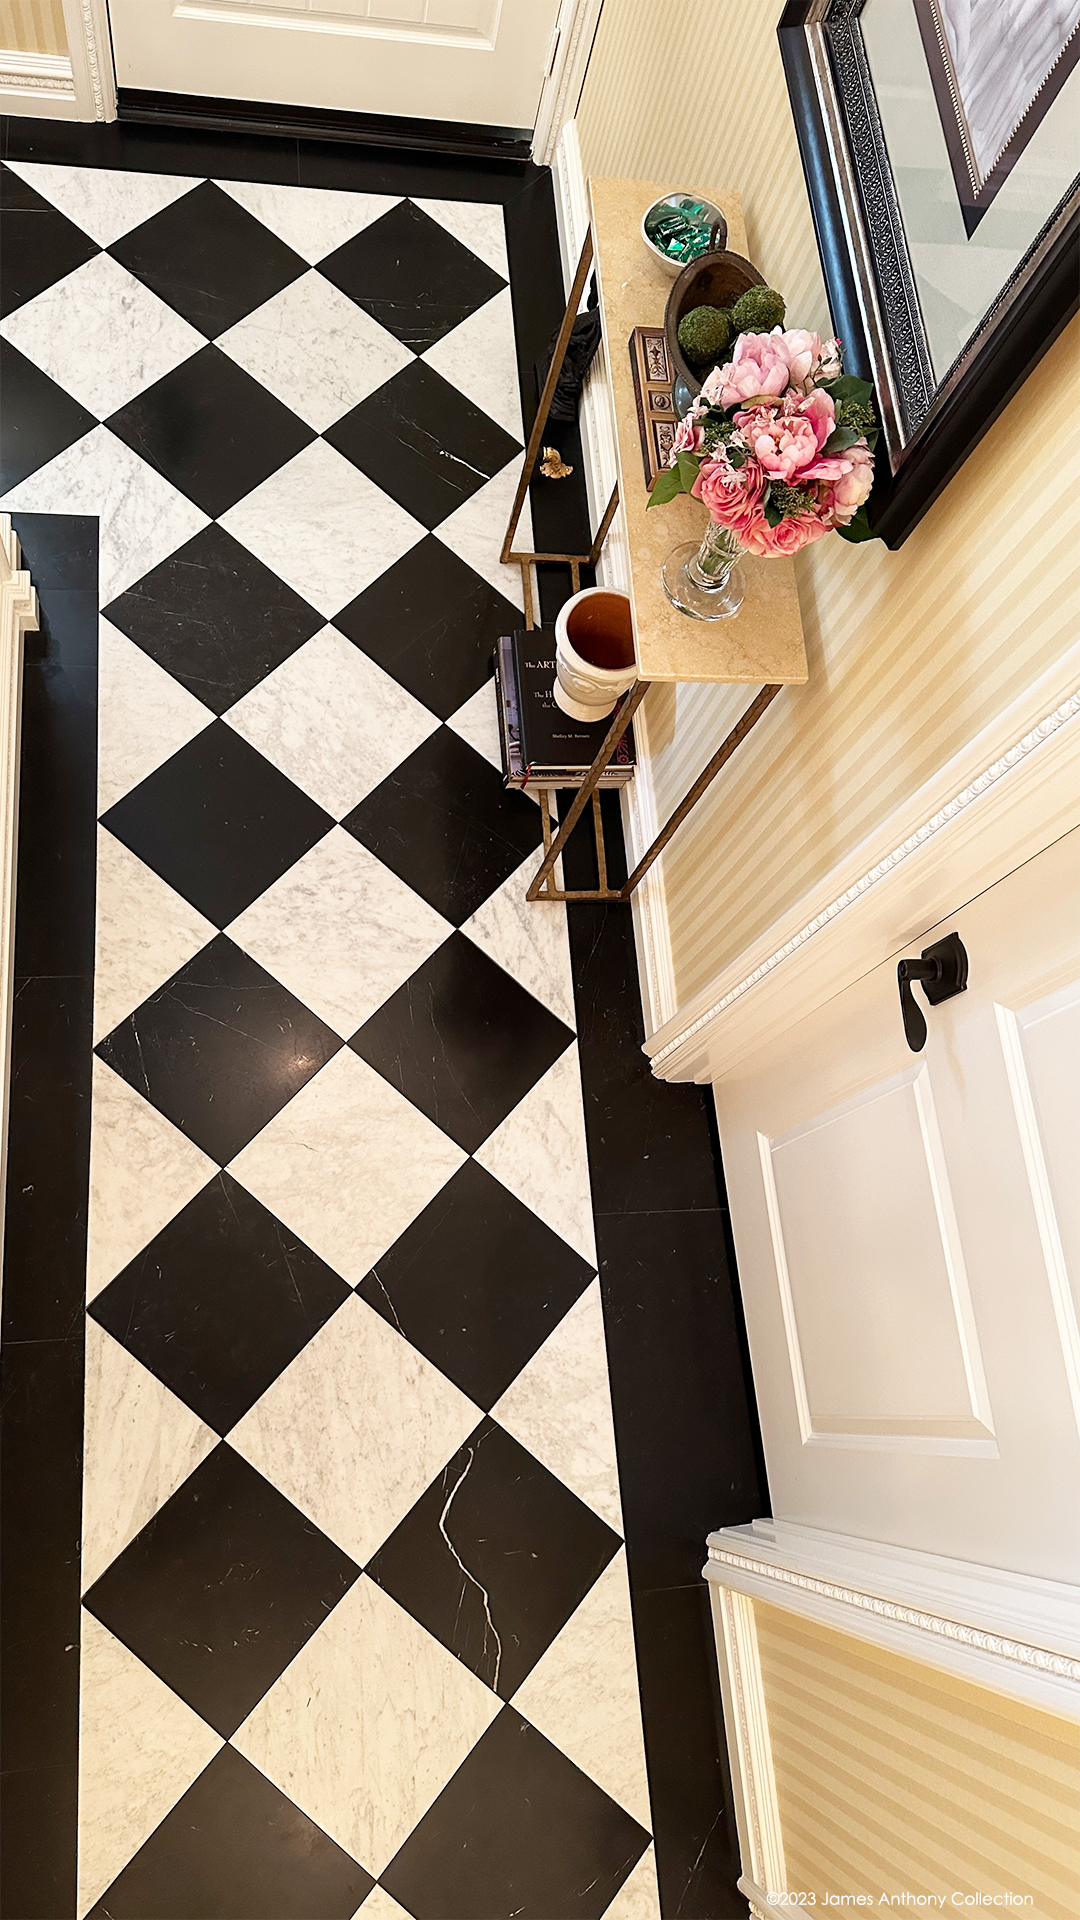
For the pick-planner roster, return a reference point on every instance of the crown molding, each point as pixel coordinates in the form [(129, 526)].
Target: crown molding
[(90, 46)]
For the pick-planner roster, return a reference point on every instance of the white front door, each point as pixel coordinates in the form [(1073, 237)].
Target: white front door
[(477, 60), (908, 1236)]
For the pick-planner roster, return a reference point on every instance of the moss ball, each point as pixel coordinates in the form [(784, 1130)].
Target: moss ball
[(704, 334), (758, 310)]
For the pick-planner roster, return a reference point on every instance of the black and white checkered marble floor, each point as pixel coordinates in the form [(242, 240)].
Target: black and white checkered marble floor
[(356, 1623)]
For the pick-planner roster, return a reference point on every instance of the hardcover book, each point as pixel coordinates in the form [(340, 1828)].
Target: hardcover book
[(551, 742)]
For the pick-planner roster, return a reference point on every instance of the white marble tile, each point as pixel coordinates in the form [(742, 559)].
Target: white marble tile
[(341, 931), (529, 939), (367, 1725), (140, 1748), (315, 349), (101, 335), (143, 517), (313, 221), (477, 722), (104, 201), (539, 1153), (478, 224), (145, 933), (639, 1896), (144, 715), (356, 1428), (379, 1906), (347, 1164), (332, 720), (323, 526), (480, 358), (475, 532), (142, 1171), (583, 1693), (141, 1443), (560, 1408)]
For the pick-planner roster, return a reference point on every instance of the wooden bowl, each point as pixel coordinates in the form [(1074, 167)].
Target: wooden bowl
[(715, 280)]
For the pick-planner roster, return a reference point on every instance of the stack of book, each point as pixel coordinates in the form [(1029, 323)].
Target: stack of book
[(541, 745)]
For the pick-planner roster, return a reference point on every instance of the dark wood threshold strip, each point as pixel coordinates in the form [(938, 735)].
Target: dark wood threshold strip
[(459, 137)]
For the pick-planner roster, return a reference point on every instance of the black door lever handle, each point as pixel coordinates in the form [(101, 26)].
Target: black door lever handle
[(943, 971)]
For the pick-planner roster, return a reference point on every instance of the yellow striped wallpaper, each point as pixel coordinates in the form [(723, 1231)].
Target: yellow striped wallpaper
[(911, 653), (32, 26), (892, 1777)]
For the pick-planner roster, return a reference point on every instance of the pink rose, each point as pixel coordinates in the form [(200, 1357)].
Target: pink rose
[(790, 536), (847, 493), (732, 494), (758, 367), (787, 439)]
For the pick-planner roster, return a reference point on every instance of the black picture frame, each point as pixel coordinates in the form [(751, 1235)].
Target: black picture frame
[(929, 426)]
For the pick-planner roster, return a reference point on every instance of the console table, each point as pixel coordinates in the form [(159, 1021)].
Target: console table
[(761, 645)]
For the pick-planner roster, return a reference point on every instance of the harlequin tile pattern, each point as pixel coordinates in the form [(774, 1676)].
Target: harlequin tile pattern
[(339, 1192)]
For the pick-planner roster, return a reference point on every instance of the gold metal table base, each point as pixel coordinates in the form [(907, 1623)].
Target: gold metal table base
[(544, 887)]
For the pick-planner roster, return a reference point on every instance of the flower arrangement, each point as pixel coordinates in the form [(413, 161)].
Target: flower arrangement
[(778, 445)]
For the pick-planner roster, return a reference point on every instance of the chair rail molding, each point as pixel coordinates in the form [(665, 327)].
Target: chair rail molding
[(575, 31), (641, 822), (39, 84), (90, 49), (18, 616), (1011, 792), (1014, 1634)]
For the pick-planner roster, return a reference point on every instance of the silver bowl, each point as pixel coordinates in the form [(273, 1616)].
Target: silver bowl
[(713, 213)]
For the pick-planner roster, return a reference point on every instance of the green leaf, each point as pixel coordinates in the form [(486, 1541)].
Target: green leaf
[(849, 387), (858, 528), (737, 456), (772, 512), (665, 487), (686, 465), (840, 439)]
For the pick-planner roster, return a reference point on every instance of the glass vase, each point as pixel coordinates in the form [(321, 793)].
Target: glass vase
[(706, 581)]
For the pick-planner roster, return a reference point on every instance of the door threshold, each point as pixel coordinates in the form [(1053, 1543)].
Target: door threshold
[(206, 112)]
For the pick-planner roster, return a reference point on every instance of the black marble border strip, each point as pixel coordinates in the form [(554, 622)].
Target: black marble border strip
[(45, 1226)]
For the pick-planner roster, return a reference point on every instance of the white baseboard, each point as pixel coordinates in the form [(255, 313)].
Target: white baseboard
[(18, 616), (640, 823), (38, 84)]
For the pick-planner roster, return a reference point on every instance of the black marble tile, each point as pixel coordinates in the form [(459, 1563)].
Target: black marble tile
[(412, 276), (220, 1048), (154, 149), (477, 1282), (433, 624), (39, 1811), (209, 258), (211, 429), (40, 245), (234, 1848), (446, 825), (649, 1140), (529, 1544), (222, 1588), (220, 1302), (462, 1040), (218, 822), (423, 443), (38, 419), (61, 551), (339, 164), (215, 618), (518, 1830)]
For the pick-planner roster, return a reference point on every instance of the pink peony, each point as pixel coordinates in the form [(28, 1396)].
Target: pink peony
[(689, 435), (802, 351), (831, 365), (758, 368), (786, 440), (848, 491), (733, 495)]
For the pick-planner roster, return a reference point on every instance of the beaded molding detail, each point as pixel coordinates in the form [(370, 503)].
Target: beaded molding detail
[(1018, 1651), (1069, 710)]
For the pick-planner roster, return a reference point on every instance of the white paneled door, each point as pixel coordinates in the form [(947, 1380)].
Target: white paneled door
[(476, 60), (908, 1235)]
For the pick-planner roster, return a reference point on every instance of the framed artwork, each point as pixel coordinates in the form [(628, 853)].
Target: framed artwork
[(941, 145)]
